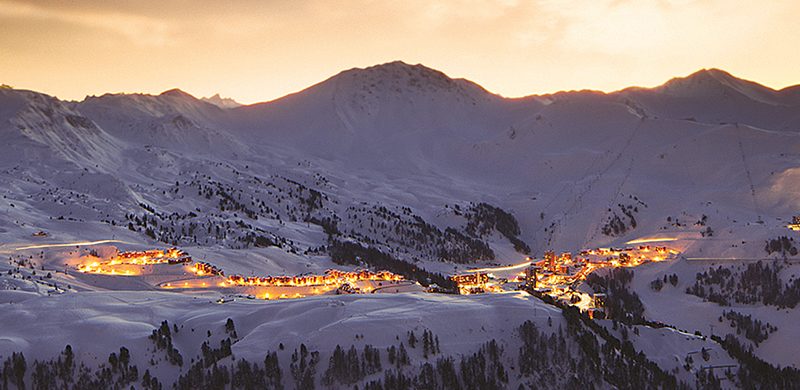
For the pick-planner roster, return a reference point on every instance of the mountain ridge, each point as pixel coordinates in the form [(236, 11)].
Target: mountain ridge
[(399, 67), (221, 102)]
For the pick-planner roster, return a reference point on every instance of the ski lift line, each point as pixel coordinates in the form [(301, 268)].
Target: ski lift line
[(628, 143), (749, 176)]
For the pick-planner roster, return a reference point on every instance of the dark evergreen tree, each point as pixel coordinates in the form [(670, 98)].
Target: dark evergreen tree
[(303, 367)]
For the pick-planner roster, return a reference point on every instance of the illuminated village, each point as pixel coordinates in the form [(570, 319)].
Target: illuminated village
[(556, 276), (158, 267), (560, 276)]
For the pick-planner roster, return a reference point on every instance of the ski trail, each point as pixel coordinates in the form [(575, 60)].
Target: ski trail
[(578, 200), (747, 171), (592, 233)]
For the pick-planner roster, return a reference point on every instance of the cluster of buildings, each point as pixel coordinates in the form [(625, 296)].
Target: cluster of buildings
[(558, 276), (206, 269), (331, 277), (136, 258), (473, 283), (210, 276), (795, 225), (155, 256)]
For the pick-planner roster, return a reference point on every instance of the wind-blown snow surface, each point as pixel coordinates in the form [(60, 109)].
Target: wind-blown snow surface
[(96, 324), (397, 144)]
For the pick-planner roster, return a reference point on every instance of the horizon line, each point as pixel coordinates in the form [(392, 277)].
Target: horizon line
[(535, 94)]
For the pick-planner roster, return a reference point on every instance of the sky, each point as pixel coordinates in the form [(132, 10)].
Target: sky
[(259, 50)]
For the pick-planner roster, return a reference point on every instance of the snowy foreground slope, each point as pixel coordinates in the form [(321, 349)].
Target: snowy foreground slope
[(431, 171), (96, 324)]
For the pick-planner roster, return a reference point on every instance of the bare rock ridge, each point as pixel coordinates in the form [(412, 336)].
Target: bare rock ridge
[(221, 102)]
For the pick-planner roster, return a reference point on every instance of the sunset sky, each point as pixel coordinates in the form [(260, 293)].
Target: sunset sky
[(259, 50)]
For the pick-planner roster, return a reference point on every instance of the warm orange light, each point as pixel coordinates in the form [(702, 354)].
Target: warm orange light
[(563, 271), (169, 256)]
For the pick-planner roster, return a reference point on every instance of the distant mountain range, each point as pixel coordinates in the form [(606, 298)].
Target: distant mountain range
[(571, 167)]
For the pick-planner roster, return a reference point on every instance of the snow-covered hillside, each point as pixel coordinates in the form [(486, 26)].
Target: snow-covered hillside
[(436, 173)]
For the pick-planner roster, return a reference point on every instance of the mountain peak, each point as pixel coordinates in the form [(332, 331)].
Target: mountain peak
[(221, 102), (710, 74), (176, 92), (402, 66), (398, 77), (400, 69), (718, 83), (713, 71), (701, 79)]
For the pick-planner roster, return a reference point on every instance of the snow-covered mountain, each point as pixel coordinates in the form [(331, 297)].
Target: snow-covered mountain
[(406, 136), (427, 169), (221, 101)]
